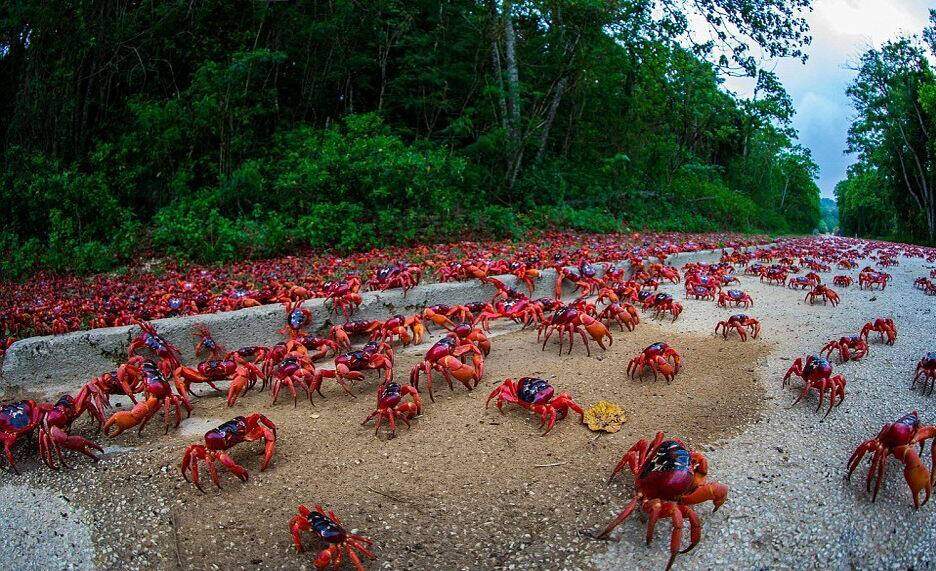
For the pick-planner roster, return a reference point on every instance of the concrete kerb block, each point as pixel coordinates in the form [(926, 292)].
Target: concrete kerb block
[(57, 363)]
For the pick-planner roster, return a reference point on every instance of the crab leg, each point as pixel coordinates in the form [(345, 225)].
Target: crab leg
[(653, 509), (58, 438), (584, 340), (916, 474), (695, 527), (390, 415), (676, 538), (619, 518), (233, 466), (194, 475), (212, 469)]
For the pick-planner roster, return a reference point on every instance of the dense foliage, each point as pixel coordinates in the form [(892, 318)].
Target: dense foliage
[(217, 130), (828, 223), (891, 190)]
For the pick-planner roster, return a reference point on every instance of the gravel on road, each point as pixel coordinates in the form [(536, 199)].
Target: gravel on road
[(789, 506), (42, 529), (467, 488)]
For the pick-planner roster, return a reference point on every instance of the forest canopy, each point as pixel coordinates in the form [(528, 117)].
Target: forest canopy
[(890, 192), (216, 130)]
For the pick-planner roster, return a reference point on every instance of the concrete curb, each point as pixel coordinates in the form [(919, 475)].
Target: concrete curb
[(59, 363)]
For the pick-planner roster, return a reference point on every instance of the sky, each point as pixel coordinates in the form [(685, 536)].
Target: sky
[(841, 31)]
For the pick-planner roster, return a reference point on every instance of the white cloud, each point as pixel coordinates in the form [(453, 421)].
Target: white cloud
[(842, 30), (874, 20)]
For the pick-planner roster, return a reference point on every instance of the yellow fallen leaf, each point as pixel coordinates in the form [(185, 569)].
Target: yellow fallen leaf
[(604, 416)]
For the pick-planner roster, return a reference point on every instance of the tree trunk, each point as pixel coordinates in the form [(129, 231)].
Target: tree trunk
[(513, 95), (496, 62), (786, 186), (550, 117)]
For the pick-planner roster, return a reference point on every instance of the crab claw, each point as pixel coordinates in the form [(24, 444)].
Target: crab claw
[(598, 332), (238, 385), (124, 421), (127, 419), (713, 491), (916, 474)]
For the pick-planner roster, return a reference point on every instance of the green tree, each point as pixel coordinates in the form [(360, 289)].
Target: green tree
[(214, 130), (893, 139)]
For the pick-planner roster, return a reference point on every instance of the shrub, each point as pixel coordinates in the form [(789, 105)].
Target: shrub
[(341, 226)]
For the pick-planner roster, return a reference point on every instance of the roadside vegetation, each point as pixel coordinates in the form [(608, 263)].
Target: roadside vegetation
[(215, 131), (891, 191)]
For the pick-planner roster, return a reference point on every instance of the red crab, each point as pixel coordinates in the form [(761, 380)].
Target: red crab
[(735, 297), (898, 439), (318, 347), (817, 374), (398, 275), (887, 262), (504, 292), (842, 281), (406, 329), (454, 270), (628, 291), (53, 422), (167, 353), (350, 366), (926, 372), (252, 353), (659, 358), (443, 315), (699, 276), (297, 319), (294, 369), (701, 293), (524, 274), (774, 275), (95, 395), (662, 303), (519, 310), (570, 320), (583, 278), (344, 295), (724, 280), (883, 325), (242, 374), (465, 334), (850, 348), (341, 334), (248, 428), (624, 314), (535, 395), (447, 357), (390, 406), (824, 292), (206, 345), (667, 273), (669, 479), (158, 395), (739, 323), (702, 285), (870, 279), (328, 530)]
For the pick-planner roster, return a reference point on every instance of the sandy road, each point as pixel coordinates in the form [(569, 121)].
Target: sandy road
[(789, 507), (469, 494)]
